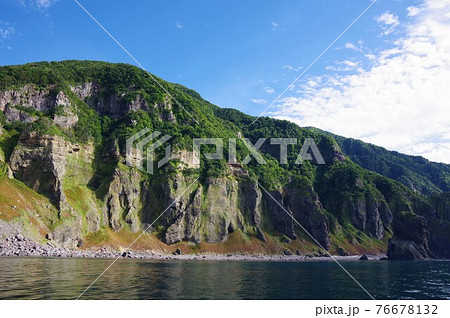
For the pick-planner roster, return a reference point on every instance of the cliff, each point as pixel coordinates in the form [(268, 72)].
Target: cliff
[(62, 139)]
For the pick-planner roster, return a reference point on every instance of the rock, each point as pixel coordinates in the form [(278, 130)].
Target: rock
[(28, 96), (406, 250), (438, 220), (13, 114), (410, 241), (299, 253), (250, 204), (220, 202), (122, 198), (366, 215), (67, 120), (364, 258), (282, 221), (308, 211), (285, 239), (42, 161), (183, 216), (19, 237), (93, 220), (341, 252), (112, 105), (260, 235), (69, 233), (188, 159), (287, 252), (177, 252)]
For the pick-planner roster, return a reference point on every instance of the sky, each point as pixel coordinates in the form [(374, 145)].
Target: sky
[(384, 81)]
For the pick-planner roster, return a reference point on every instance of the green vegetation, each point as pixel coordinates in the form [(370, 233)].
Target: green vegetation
[(128, 100), (127, 82), (8, 140), (413, 171)]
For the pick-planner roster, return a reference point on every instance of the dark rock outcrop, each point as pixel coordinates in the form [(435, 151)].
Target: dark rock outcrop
[(438, 219), (410, 241), (369, 215), (308, 211), (281, 216)]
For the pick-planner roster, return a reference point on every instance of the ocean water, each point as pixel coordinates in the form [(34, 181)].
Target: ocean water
[(44, 278)]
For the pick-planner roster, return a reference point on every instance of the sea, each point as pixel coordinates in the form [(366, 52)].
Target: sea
[(54, 278)]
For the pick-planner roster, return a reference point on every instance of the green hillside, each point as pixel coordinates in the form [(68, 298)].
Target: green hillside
[(64, 127)]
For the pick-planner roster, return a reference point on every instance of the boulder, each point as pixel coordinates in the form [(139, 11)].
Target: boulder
[(177, 252), (287, 252), (341, 252)]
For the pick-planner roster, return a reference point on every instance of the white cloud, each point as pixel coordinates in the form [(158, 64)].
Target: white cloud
[(342, 66), (6, 30), (179, 25), (43, 4), (259, 101), (389, 22), (292, 68), (352, 46), (412, 11), (268, 89), (36, 4), (401, 102), (275, 25)]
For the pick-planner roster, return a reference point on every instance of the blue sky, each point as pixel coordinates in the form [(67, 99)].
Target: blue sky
[(238, 54), (227, 50)]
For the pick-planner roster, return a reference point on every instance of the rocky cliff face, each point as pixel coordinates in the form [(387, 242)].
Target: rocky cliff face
[(308, 211), (111, 105), (21, 105), (40, 162), (369, 216), (437, 216), (28, 96), (207, 212), (210, 212), (338, 204), (47, 164), (411, 238), (123, 200)]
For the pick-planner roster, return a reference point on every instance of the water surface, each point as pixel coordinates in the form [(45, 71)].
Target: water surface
[(46, 278)]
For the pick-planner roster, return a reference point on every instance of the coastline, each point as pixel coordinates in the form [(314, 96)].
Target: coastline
[(20, 246)]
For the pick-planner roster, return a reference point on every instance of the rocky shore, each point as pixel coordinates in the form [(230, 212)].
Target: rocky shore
[(16, 245)]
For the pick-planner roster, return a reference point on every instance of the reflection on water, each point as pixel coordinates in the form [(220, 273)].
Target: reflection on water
[(42, 278)]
